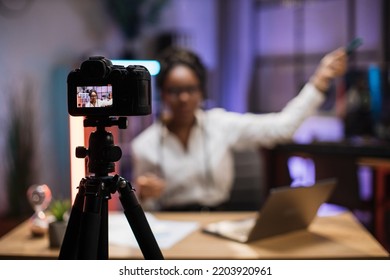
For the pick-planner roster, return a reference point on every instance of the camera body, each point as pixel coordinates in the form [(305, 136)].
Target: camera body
[(100, 89)]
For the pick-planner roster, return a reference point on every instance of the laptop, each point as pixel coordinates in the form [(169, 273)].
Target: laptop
[(286, 209)]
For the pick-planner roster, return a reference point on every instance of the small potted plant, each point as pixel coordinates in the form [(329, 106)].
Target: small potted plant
[(57, 228)]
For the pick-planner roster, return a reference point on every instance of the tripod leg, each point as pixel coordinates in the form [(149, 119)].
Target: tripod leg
[(138, 222), (90, 225), (103, 235), (69, 245)]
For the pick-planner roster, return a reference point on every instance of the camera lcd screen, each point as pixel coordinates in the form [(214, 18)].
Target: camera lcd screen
[(94, 96)]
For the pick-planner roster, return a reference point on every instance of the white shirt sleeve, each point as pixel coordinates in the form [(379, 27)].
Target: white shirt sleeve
[(250, 130)]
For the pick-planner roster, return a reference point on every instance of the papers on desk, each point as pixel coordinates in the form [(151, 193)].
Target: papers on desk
[(167, 233)]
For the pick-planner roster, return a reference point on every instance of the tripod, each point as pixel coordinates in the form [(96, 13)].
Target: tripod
[(86, 235)]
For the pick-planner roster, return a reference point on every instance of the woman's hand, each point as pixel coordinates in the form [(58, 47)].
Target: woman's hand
[(333, 65), (149, 186)]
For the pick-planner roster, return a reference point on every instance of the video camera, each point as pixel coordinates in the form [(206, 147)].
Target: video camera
[(101, 89)]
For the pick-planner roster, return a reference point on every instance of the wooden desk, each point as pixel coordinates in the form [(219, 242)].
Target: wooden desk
[(333, 237), (340, 160)]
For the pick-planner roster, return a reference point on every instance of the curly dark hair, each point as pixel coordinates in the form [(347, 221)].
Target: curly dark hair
[(92, 90), (172, 57)]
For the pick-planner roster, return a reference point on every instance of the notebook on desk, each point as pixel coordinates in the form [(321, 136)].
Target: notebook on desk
[(286, 209)]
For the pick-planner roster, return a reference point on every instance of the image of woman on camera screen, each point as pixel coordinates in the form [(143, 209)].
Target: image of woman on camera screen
[(93, 99)]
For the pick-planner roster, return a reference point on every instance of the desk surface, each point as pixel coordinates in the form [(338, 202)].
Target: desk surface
[(332, 237)]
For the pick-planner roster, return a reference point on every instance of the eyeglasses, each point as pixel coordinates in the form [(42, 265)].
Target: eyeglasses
[(176, 91)]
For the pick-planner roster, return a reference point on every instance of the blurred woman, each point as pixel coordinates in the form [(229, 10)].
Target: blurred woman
[(184, 161)]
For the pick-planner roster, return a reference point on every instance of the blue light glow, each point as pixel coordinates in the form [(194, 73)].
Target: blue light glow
[(153, 66), (374, 79)]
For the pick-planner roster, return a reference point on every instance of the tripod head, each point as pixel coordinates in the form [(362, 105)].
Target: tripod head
[(102, 153)]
